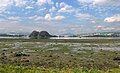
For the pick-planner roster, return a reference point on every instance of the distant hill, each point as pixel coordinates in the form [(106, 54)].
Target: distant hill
[(102, 34), (12, 35), (45, 34), (68, 34)]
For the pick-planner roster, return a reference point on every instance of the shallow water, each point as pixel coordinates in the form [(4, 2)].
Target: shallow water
[(85, 38)]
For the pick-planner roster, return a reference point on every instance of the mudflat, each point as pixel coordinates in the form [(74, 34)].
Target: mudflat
[(99, 54)]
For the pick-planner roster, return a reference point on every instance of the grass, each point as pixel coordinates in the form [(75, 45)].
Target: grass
[(20, 69), (64, 40), (69, 56)]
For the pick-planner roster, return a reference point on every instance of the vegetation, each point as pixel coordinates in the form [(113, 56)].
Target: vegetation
[(19, 69), (103, 34), (10, 35), (64, 40), (59, 56)]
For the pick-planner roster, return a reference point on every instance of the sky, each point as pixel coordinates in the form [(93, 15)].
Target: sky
[(60, 16)]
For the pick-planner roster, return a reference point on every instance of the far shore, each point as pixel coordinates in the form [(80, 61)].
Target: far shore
[(63, 37)]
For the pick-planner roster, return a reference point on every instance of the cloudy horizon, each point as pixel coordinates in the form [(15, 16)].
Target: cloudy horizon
[(60, 16)]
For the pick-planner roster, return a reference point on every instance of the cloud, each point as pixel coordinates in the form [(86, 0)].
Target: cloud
[(93, 1), (4, 4), (115, 18), (62, 4), (36, 18), (93, 21), (102, 2), (2, 28), (42, 9), (65, 8), (29, 7), (84, 16), (14, 18), (47, 17), (20, 2), (57, 5), (50, 17), (42, 12), (106, 28), (86, 1), (59, 17), (103, 28), (41, 2), (15, 27), (99, 26), (53, 9)]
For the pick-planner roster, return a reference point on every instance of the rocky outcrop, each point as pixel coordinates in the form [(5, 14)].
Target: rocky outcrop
[(44, 34), (40, 35), (34, 35)]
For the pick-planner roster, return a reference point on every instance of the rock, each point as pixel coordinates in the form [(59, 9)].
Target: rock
[(117, 58), (3, 53), (44, 35), (26, 61), (11, 52), (20, 54), (50, 56), (34, 35), (39, 35), (5, 49), (4, 58)]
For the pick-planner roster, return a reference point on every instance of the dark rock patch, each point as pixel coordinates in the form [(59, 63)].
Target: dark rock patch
[(3, 53), (26, 60), (20, 54), (50, 56), (117, 58), (4, 58)]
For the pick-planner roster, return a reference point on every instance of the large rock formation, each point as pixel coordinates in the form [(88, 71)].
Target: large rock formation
[(44, 34), (40, 35), (34, 35)]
